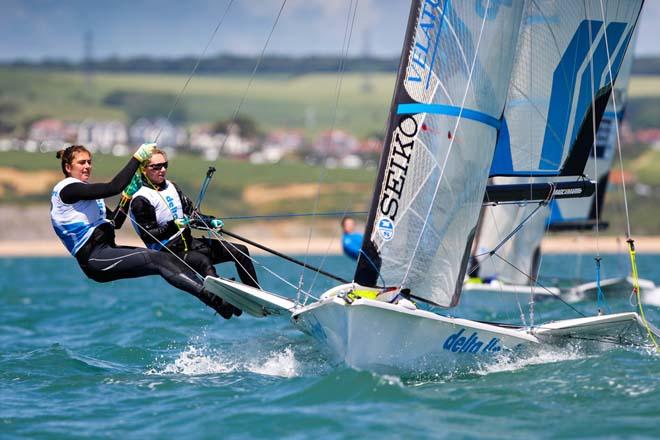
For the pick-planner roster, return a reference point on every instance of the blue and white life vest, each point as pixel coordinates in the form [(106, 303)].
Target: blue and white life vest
[(75, 223), (166, 203)]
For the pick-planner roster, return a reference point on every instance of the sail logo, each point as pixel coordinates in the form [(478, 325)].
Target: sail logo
[(568, 191), (386, 229), (394, 180), (426, 44), (458, 343)]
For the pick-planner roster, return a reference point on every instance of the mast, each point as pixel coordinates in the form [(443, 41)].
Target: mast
[(442, 129)]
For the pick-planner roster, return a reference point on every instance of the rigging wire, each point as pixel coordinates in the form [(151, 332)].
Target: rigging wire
[(297, 214), (540, 285), (253, 74), (599, 292), (348, 32), (215, 234), (631, 242), (192, 73)]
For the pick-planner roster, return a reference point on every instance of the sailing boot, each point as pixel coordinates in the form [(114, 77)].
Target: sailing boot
[(235, 310), (216, 303)]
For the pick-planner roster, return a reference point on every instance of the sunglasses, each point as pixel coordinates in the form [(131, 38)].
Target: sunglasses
[(157, 166)]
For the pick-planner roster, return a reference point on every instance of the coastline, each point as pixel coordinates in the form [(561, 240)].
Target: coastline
[(32, 225), (327, 245)]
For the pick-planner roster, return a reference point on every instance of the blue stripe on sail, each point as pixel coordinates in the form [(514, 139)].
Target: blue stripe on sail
[(437, 42), (622, 52), (611, 115), (563, 89), (449, 110), (502, 160), (502, 164), (614, 31)]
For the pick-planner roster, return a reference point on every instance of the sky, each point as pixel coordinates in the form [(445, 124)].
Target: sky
[(55, 29)]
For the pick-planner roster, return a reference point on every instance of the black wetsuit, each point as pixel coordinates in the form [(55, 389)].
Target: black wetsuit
[(102, 260), (200, 253)]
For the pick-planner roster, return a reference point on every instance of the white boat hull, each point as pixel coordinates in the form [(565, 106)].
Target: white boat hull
[(616, 287), (497, 288), (375, 335)]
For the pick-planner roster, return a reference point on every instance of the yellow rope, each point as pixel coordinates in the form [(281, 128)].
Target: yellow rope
[(636, 290)]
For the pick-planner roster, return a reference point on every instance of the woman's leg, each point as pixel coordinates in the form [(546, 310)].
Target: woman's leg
[(223, 251), (108, 263)]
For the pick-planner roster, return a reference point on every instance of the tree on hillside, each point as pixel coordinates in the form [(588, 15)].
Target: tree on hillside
[(8, 112), (247, 126), (146, 105)]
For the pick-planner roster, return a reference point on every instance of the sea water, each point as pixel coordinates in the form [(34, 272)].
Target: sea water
[(138, 359)]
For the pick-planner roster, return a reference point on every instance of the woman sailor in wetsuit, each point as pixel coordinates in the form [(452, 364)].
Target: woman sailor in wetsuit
[(82, 221)]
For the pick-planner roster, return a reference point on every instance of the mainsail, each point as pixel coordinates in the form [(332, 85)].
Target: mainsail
[(449, 97), (561, 80)]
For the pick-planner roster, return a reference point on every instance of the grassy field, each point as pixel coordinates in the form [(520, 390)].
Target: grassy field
[(240, 188), (274, 101), (647, 169)]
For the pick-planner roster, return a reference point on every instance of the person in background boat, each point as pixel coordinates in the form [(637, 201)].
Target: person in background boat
[(351, 241), (163, 215), (84, 224)]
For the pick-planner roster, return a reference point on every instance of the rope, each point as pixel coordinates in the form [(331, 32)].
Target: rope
[(636, 292), (215, 234), (348, 33), (199, 276), (296, 214), (178, 98), (254, 73), (541, 285), (601, 296)]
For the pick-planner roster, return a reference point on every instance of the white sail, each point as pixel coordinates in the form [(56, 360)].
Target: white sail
[(443, 127), (581, 213), (547, 126), (561, 79)]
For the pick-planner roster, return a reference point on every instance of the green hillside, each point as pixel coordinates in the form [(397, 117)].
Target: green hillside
[(238, 188), (306, 101)]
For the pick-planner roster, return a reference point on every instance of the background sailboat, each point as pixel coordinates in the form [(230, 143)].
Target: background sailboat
[(588, 214), (507, 252), (445, 121)]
